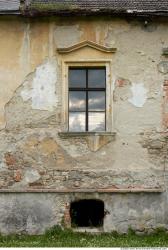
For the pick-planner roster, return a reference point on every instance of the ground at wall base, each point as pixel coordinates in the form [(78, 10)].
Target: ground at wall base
[(58, 238)]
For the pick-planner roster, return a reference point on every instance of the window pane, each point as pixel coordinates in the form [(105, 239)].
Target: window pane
[(77, 101), (77, 78), (96, 100), (77, 121), (96, 78), (96, 121)]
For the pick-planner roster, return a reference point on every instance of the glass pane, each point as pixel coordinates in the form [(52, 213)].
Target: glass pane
[(77, 101), (96, 100), (96, 121), (77, 78), (96, 78), (77, 121)]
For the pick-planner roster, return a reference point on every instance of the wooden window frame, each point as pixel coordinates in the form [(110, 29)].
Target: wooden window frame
[(87, 89), (107, 64)]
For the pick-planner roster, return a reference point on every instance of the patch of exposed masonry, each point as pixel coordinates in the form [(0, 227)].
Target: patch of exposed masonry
[(157, 145), (38, 158)]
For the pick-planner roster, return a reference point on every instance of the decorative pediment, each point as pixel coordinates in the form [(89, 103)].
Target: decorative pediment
[(84, 44)]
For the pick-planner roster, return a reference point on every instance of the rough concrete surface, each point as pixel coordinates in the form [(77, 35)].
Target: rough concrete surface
[(35, 213)]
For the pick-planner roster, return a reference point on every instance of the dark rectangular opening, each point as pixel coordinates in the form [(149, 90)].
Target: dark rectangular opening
[(87, 213)]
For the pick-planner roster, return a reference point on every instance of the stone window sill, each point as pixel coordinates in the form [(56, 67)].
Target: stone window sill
[(95, 140), (85, 134)]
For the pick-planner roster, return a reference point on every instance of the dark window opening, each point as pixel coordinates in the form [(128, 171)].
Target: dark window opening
[(87, 99), (87, 213)]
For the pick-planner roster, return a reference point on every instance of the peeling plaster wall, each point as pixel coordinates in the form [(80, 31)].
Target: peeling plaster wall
[(42, 92), (34, 156), (139, 95)]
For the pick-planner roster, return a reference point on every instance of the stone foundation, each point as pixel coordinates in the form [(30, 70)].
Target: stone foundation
[(33, 213)]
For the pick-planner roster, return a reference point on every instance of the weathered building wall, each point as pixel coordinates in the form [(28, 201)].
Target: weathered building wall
[(34, 213), (34, 156)]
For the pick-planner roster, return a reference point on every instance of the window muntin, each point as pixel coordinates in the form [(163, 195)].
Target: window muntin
[(87, 99)]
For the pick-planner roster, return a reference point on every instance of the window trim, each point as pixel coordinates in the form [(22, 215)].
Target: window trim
[(65, 90)]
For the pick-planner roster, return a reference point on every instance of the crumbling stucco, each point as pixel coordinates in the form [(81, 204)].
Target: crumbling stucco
[(163, 67), (33, 155), (35, 101), (42, 91), (139, 95)]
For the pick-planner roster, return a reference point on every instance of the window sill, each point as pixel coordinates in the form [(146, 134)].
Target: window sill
[(85, 134), (95, 140)]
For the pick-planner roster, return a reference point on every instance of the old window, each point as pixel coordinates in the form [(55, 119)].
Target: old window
[(87, 99), (87, 213), (87, 93)]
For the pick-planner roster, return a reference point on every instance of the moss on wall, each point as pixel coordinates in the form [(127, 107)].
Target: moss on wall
[(52, 6)]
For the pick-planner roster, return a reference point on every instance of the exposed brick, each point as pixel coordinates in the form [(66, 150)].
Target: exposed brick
[(18, 176), (10, 159), (67, 216), (121, 82)]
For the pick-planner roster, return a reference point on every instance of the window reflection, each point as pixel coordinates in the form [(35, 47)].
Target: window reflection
[(87, 99), (77, 101), (77, 78), (77, 121), (96, 101), (96, 121), (96, 78)]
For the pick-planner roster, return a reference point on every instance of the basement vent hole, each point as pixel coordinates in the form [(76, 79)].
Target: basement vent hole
[(87, 213)]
